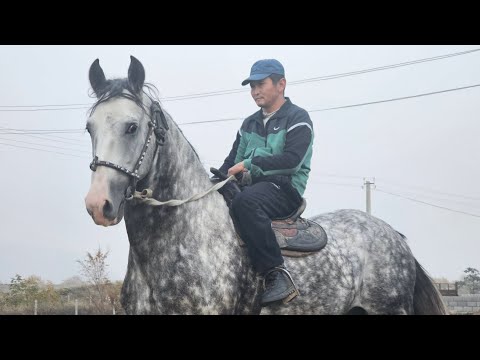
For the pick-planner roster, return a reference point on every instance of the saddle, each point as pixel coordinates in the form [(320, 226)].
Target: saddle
[(298, 236), (295, 235)]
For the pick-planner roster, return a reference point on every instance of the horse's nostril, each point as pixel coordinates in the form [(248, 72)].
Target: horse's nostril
[(108, 210), (90, 212)]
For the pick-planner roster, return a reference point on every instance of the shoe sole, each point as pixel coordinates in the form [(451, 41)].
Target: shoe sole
[(286, 299), (291, 296)]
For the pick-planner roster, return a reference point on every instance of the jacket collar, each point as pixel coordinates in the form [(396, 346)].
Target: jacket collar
[(258, 116)]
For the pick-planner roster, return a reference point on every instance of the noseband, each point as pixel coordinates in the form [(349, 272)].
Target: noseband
[(157, 119)]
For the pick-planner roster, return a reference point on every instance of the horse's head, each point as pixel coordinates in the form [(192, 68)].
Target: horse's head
[(121, 125)]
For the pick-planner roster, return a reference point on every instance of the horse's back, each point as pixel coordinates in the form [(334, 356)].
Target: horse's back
[(363, 254)]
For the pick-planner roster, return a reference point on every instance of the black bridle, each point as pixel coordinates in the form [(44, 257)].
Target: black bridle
[(157, 119)]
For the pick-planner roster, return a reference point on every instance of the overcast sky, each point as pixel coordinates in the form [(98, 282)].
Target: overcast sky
[(424, 151)]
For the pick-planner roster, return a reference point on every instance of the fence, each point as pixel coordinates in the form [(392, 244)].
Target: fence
[(448, 289), (65, 306)]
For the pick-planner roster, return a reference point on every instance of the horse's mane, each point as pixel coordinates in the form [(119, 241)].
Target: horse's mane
[(115, 88)]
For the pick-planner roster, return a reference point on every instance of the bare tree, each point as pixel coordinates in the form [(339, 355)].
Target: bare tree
[(94, 269)]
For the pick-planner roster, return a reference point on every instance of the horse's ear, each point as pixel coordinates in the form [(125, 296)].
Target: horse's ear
[(97, 78), (136, 74)]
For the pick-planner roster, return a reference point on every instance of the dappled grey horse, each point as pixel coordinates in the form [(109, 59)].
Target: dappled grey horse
[(186, 259)]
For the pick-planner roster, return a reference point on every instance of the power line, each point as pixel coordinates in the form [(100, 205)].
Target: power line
[(3, 128), (396, 99), (51, 109), (39, 106), (233, 91), (322, 78), (211, 121), (385, 67), (55, 152), (317, 110), (332, 183), (45, 137), (471, 198), (237, 118), (40, 133), (35, 131), (337, 176), (51, 146), (467, 203), (233, 119), (49, 139), (426, 203), (353, 105)]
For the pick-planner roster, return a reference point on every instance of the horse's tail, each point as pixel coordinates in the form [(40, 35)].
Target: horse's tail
[(427, 300)]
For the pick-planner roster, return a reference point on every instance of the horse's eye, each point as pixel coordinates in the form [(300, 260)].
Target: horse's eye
[(132, 129)]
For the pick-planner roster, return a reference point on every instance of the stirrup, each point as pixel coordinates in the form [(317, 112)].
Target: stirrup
[(295, 291)]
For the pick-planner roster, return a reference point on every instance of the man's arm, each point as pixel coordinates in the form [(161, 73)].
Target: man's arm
[(298, 140), (230, 159)]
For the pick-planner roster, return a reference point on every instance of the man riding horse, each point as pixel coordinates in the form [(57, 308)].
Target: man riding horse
[(271, 154)]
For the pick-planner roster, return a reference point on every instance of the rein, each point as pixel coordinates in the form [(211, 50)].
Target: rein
[(146, 195)]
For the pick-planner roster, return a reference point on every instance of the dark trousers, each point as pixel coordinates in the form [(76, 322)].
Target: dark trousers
[(253, 210)]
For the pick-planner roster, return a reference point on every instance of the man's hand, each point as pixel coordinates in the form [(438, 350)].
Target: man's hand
[(235, 169)]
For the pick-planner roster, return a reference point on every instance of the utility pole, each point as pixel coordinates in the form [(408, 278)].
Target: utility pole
[(367, 182)]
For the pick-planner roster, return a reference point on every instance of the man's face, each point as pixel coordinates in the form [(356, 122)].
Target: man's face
[(265, 93)]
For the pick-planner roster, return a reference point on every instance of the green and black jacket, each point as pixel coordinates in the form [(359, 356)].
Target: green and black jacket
[(281, 149)]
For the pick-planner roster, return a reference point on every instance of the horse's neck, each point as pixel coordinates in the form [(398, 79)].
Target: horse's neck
[(177, 172), (190, 250)]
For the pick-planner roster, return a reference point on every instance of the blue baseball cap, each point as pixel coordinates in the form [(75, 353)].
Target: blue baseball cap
[(264, 68)]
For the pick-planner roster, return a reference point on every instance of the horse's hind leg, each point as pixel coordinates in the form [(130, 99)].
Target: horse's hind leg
[(380, 304), (385, 307), (357, 310), (387, 295)]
